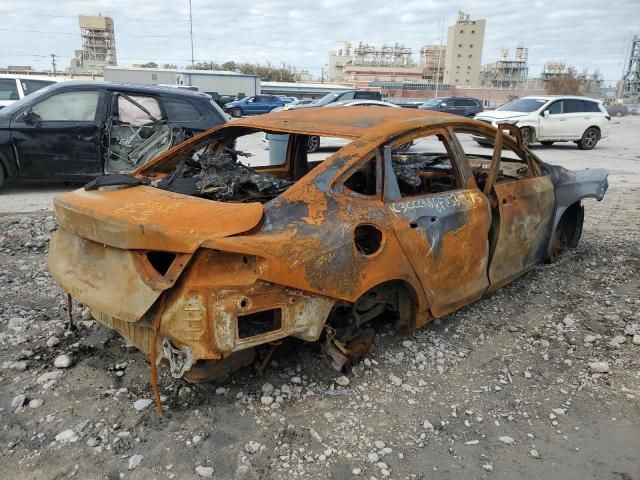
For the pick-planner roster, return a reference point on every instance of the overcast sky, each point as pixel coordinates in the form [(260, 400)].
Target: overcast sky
[(584, 33)]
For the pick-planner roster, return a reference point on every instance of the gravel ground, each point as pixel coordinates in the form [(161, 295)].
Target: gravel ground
[(540, 379)]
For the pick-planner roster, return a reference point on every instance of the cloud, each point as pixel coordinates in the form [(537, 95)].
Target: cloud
[(584, 33)]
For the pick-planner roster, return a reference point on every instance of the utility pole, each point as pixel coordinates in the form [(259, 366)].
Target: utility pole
[(53, 62), (322, 75), (441, 28), (191, 33)]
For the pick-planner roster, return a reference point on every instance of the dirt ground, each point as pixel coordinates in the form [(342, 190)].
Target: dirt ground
[(539, 380)]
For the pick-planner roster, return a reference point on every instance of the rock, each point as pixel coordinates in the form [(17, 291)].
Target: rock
[(590, 339), (427, 425), (488, 467), (343, 381), (48, 376), (252, 447), (534, 453), (204, 472), (18, 400), (568, 321), (397, 381), (53, 341), (617, 341), (373, 457), (636, 339), (62, 361), (599, 367), (135, 460), (527, 374), (267, 388), (142, 404), (67, 436), (36, 403), (221, 391), (472, 442), (356, 471), (379, 444), (266, 400), (296, 379), (507, 440)]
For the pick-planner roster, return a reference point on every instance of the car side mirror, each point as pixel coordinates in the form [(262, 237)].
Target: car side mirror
[(31, 118), (546, 114)]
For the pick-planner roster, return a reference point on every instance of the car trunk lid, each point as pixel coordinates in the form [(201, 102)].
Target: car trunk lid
[(148, 218)]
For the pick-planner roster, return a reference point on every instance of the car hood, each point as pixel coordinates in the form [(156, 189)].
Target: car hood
[(500, 114), (148, 218)]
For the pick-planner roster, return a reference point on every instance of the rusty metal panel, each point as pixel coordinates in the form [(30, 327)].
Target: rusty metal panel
[(526, 209), (446, 238), (151, 219)]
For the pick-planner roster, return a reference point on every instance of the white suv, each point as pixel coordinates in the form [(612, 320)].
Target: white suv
[(549, 119), (15, 87)]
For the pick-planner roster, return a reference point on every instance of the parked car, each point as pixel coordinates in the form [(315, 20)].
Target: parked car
[(304, 101), (465, 106), (634, 108), (15, 87), (550, 119), (253, 105), (412, 104), (76, 130), (617, 110), (222, 100), (313, 141), (199, 276), (340, 96), (287, 99)]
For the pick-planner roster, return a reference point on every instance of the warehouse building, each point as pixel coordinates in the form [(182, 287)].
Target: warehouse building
[(210, 81)]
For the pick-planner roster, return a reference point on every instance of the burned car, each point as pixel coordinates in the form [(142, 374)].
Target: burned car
[(199, 259), (75, 130)]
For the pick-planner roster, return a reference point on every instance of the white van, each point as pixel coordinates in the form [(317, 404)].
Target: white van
[(15, 87), (549, 119)]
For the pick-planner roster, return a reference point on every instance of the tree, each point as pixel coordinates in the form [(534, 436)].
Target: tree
[(150, 65), (170, 65), (568, 83)]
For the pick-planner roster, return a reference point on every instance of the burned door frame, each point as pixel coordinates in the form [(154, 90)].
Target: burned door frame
[(112, 108), (523, 210), (445, 235)]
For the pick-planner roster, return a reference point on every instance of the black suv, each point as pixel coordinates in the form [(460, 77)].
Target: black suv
[(465, 106), (339, 96), (77, 130)]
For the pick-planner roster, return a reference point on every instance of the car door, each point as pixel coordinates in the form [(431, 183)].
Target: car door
[(523, 204), (555, 125), (577, 121), (249, 106), (441, 219), (59, 135)]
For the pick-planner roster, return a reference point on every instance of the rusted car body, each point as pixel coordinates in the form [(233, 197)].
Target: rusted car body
[(367, 232)]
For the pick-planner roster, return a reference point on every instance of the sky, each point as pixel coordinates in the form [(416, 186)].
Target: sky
[(584, 33)]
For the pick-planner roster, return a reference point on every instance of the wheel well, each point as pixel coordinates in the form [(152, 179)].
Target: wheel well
[(596, 128), (396, 296), (571, 222)]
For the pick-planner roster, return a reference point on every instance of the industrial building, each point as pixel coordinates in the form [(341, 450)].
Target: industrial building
[(432, 62), (631, 76), (98, 45), (220, 82), (387, 58), (507, 72), (463, 56)]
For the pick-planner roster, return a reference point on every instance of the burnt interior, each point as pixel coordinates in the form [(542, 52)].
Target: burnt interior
[(258, 323), (161, 261)]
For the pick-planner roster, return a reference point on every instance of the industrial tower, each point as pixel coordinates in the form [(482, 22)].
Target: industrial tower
[(631, 75), (98, 45)]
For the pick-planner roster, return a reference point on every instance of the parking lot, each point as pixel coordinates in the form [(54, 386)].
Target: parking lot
[(540, 379)]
